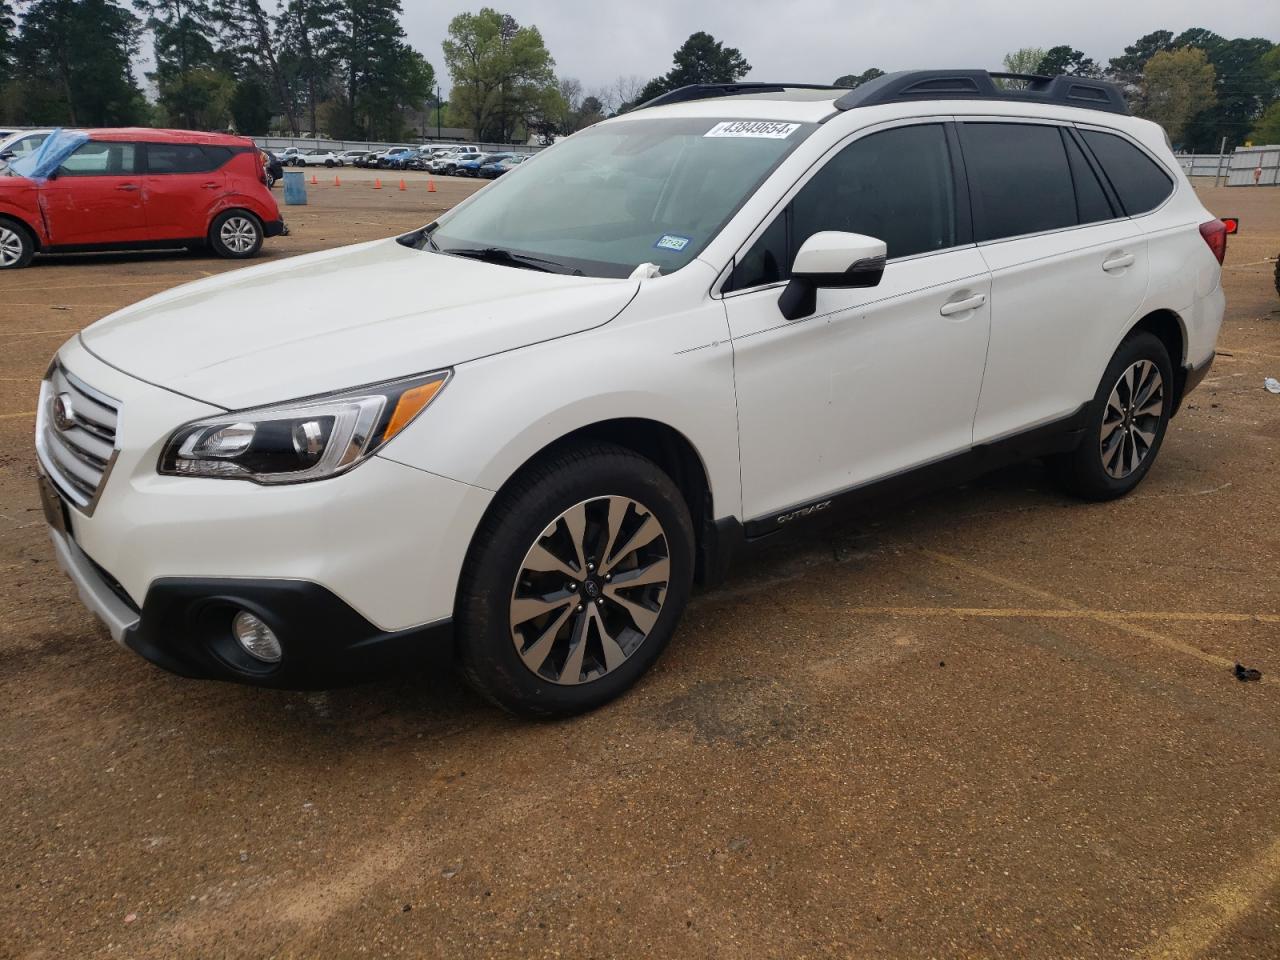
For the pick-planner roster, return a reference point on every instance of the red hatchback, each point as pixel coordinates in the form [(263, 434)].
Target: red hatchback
[(129, 189)]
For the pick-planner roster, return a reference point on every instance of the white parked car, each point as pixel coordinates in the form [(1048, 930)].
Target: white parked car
[(21, 143), (529, 427), (448, 162), (318, 158), (287, 155), (350, 156)]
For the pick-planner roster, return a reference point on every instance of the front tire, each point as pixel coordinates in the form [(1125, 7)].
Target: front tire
[(1125, 422), (17, 245), (574, 582), (236, 235)]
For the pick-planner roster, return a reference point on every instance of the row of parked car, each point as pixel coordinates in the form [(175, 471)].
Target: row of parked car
[(448, 160)]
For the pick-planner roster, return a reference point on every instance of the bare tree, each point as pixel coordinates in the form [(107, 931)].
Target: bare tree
[(626, 89)]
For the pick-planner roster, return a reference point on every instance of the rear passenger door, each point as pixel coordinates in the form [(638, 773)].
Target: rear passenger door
[(1068, 270), (183, 182), (877, 380)]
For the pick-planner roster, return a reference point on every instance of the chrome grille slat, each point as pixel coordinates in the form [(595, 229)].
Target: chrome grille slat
[(78, 457)]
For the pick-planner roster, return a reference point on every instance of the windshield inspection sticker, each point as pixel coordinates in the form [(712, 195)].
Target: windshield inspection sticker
[(671, 241), (765, 129)]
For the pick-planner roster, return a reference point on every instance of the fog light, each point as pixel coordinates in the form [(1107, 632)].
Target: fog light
[(256, 637)]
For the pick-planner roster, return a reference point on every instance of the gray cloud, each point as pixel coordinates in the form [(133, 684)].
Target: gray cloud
[(815, 41)]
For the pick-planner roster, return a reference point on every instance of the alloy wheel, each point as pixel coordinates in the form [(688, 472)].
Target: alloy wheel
[(10, 247), (1131, 419), (590, 590), (238, 234)]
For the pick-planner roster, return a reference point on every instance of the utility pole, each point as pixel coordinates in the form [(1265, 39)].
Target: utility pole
[(438, 111)]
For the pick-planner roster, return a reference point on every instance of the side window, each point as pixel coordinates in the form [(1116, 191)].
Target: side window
[(94, 159), (766, 261), (1018, 178), (896, 185), (165, 158), (1139, 181), (1092, 204)]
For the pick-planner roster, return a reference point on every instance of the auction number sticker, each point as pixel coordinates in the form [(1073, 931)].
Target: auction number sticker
[(763, 129)]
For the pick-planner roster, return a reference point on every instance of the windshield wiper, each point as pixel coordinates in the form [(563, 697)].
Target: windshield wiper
[(507, 258)]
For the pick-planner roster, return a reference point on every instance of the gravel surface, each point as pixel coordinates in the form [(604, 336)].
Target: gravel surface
[(993, 722)]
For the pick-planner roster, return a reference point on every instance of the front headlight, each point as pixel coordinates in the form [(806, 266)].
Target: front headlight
[(304, 440)]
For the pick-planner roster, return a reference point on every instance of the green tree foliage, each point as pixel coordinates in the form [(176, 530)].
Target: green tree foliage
[(855, 80), (8, 29), (1126, 69), (1177, 85), (1242, 86), (192, 81), (701, 59), (1024, 60), (502, 74), (72, 65), (1065, 61), (380, 74), (251, 107), (306, 56), (247, 30)]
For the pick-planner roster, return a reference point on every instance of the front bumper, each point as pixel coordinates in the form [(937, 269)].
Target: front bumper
[(184, 626)]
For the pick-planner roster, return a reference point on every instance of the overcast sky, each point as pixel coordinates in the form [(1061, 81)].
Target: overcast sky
[(816, 41)]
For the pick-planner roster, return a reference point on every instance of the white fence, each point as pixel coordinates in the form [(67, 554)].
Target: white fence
[(1236, 168)]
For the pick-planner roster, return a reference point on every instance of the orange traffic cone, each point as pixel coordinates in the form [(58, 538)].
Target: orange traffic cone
[(431, 186), (377, 183), (337, 181), (402, 186), (314, 181)]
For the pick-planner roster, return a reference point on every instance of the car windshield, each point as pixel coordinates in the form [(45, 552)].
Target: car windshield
[(618, 195)]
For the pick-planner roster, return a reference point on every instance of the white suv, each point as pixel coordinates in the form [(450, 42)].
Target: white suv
[(529, 427)]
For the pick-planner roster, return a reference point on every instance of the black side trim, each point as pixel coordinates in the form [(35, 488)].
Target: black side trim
[(274, 228), (721, 540), (1057, 437), (1192, 376), (176, 244), (186, 629)]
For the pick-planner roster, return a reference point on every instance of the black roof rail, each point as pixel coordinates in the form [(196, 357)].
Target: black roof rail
[(908, 85), (706, 91)]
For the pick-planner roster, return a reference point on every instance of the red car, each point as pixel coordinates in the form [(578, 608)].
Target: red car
[(129, 189)]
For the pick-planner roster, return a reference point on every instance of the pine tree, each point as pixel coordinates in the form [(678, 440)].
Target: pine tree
[(248, 42), (381, 74), (192, 83), (306, 54), (74, 64), (8, 27)]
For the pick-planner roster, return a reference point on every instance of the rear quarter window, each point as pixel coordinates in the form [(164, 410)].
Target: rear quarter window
[(1139, 182)]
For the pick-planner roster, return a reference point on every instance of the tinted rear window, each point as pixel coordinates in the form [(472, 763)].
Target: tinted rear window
[(1019, 179), (1092, 204), (184, 158), (1140, 182)]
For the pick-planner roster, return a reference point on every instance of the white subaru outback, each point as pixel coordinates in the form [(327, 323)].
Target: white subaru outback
[(528, 428)]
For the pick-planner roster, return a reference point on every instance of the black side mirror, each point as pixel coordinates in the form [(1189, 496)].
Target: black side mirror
[(7, 156)]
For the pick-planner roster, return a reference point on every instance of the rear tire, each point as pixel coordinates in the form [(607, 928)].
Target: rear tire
[(236, 235), (1125, 423), (547, 625), (17, 245)]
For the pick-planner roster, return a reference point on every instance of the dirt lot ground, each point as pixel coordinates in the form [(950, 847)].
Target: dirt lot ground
[(995, 723)]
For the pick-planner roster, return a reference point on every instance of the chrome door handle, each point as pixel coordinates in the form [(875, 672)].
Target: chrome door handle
[(1118, 263), (210, 186), (127, 186), (952, 307)]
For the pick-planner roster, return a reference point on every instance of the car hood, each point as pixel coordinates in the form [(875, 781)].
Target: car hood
[(342, 318)]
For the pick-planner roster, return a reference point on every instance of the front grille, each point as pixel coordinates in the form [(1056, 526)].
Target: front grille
[(75, 436)]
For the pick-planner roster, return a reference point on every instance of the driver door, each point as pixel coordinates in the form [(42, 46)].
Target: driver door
[(96, 197), (877, 380)]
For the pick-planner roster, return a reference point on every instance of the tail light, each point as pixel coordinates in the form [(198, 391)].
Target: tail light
[(1215, 235)]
